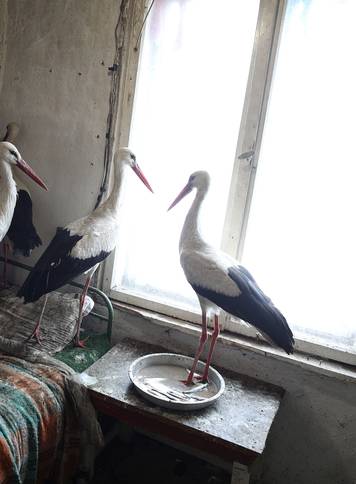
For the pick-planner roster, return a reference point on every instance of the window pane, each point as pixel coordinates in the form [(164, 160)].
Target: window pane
[(188, 102), (301, 235)]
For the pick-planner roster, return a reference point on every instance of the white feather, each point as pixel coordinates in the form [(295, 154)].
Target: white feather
[(202, 264), (100, 229), (8, 195), (207, 268), (99, 232)]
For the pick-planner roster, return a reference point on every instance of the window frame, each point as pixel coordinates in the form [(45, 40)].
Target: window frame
[(267, 36)]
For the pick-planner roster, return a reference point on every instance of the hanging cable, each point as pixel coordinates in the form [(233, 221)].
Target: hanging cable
[(143, 24), (116, 71)]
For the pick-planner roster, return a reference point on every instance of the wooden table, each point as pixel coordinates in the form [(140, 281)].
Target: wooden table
[(234, 428)]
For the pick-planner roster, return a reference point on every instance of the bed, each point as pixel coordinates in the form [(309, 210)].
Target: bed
[(49, 432)]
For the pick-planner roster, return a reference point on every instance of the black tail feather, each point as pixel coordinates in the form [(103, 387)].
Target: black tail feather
[(253, 307), (56, 267), (22, 233)]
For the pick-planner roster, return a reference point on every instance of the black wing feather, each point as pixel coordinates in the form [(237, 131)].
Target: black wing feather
[(22, 232), (253, 307), (56, 267)]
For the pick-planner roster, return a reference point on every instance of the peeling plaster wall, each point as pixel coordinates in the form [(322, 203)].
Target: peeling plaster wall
[(56, 86), (313, 438)]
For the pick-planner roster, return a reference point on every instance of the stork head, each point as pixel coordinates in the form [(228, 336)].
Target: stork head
[(199, 180), (126, 157), (10, 154)]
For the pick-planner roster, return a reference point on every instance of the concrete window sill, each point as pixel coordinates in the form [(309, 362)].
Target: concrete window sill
[(229, 341)]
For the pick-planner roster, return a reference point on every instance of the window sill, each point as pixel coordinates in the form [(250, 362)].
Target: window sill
[(321, 366)]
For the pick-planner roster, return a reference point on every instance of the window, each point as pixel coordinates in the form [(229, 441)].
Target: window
[(303, 208), (188, 102), (204, 79)]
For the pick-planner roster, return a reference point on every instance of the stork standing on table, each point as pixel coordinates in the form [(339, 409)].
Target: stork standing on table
[(221, 283), (80, 246), (22, 233)]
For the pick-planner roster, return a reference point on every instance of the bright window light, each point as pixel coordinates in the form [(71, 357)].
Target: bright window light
[(188, 102), (301, 238)]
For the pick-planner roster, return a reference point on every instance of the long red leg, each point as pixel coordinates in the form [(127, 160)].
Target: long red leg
[(202, 341), (214, 337), (36, 332), (77, 341)]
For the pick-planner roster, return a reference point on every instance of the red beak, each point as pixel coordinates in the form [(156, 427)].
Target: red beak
[(141, 176), (187, 189), (28, 170)]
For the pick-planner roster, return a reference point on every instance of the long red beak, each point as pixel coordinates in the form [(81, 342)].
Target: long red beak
[(141, 176), (187, 189), (28, 170)]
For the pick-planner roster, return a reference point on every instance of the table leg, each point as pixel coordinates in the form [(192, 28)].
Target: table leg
[(240, 474)]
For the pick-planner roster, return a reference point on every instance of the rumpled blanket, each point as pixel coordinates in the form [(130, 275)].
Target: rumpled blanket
[(59, 320), (48, 426)]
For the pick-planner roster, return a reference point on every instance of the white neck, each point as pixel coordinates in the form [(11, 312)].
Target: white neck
[(191, 232), (112, 203), (8, 194)]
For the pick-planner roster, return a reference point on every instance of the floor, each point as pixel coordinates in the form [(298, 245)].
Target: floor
[(141, 460)]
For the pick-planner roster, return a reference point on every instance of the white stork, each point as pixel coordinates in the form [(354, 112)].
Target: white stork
[(9, 158), (22, 233), (80, 246), (221, 283)]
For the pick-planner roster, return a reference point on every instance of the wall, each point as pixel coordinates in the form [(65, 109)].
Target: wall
[(56, 86), (313, 438)]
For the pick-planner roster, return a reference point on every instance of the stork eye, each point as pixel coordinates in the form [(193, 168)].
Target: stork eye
[(13, 153), (133, 157)]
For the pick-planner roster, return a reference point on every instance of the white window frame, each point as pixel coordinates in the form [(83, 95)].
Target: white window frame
[(267, 35)]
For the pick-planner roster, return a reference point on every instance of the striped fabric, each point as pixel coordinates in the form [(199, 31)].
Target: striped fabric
[(17, 320), (39, 431)]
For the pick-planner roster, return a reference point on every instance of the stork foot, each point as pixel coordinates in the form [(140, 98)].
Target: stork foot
[(196, 376), (35, 335), (79, 343), (203, 378), (190, 380)]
